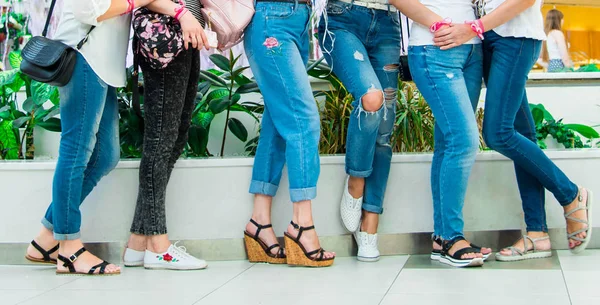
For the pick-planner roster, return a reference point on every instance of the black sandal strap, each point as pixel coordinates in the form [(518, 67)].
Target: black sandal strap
[(102, 266), (259, 227), (273, 246), (458, 254), (301, 229), (45, 254), (448, 244), (68, 262)]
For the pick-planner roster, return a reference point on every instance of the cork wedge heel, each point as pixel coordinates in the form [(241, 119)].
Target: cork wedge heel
[(297, 254), (258, 251)]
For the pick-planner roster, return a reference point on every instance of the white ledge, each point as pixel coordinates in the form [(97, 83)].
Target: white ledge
[(565, 76)]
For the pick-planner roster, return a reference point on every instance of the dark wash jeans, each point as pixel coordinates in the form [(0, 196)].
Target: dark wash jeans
[(509, 129), (169, 97)]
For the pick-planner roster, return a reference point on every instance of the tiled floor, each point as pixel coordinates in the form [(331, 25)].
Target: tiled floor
[(563, 279)]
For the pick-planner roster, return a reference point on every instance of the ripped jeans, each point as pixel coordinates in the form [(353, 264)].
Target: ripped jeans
[(363, 46)]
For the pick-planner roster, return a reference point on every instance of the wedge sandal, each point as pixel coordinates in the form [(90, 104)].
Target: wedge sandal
[(568, 216), (456, 260), (518, 255), (258, 251), (297, 254), (437, 254), (68, 263), (45, 253)]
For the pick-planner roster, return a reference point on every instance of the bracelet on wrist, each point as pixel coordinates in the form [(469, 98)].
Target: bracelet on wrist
[(179, 12), (477, 27), (439, 24), (130, 7)]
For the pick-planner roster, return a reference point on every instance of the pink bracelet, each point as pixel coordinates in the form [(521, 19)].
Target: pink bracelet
[(130, 7), (477, 27), (439, 24), (180, 11)]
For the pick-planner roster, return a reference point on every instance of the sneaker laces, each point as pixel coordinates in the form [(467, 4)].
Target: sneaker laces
[(181, 251)]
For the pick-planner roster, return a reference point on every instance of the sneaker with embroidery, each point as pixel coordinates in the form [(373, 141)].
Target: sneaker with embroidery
[(176, 258), (367, 247)]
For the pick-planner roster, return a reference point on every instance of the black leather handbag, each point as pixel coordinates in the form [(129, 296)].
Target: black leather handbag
[(405, 74), (50, 61)]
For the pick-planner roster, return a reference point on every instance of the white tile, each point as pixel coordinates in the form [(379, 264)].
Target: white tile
[(12, 297), (28, 277), (298, 298), (116, 297), (201, 282), (579, 300), (474, 297), (589, 260), (485, 282), (583, 283), (347, 275)]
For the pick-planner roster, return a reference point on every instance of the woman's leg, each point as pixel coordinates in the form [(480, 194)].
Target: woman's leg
[(506, 95), (439, 76), (277, 44)]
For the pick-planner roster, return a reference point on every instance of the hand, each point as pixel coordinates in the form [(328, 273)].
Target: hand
[(453, 36), (193, 32)]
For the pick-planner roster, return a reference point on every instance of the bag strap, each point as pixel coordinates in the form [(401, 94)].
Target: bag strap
[(47, 25)]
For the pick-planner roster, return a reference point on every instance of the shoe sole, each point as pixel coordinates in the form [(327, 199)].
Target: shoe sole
[(516, 258), (162, 267), (476, 262), (367, 259), (435, 256), (133, 264), (256, 253), (588, 237), (296, 256)]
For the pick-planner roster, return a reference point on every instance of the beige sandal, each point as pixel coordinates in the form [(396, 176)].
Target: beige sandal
[(588, 222), (518, 255)]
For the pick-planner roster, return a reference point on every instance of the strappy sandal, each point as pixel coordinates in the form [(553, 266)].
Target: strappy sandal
[(588, 222), (437, 254), (258, 251), (68, 263), (297, 254), (456, 259), (46, 254), (518, 255)]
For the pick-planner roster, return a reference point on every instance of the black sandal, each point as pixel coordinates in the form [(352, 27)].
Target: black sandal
[(297, 254), (456, 259), (46, 254), (437, 254), (68, 262), (258, 251)]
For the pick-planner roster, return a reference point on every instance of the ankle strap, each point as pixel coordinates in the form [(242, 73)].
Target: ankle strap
[(45, 254), (448, 244), (301, 229), (68, 262), (259, 226)]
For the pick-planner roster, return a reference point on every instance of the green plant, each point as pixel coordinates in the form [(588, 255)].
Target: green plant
[(221, 91), (414, 121), (565, 134), (130, 129)]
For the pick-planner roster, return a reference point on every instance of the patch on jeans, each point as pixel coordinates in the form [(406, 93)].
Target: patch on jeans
[(450, 75), (273, 46), (359, 56)]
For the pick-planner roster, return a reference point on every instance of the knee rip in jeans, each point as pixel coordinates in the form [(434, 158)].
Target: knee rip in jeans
[(372, 101), (391, 68)]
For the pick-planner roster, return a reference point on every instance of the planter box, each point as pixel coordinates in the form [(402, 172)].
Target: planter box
[(208, 203)]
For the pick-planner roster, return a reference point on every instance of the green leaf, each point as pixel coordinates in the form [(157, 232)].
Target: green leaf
[(15, 59), (217, 94), (235, 99), (53, 112), (41, 92), (52, 124), (203, 119), (221, 61), (213, 79), (586, 131), (28, 105), (248, 88), (219, 105), (239, 71), (238, 129), (8, 77), (18, 123), (8, 140), (55, 97)]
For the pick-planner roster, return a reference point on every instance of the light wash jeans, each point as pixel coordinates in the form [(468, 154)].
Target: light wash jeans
[(89, 147), (363, 47), (508, 126), (450, 82), (276, 42)]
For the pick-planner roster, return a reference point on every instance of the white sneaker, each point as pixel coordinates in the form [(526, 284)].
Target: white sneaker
[(350, 209), (133, 258), (367, 247), (176, 258)]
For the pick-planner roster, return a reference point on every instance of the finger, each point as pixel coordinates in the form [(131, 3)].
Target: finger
[(186, 40), (194, 41), (442, 41), (204, 39), (449, 46), (201, 43)]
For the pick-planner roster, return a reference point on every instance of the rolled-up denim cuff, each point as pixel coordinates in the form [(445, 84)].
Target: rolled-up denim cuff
[(47, 224), (297, 195), (359, 174), (72, 236), (263, 188), (372, 208), (537, 229)]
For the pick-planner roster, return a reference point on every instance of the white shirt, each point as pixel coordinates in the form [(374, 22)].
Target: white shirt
[(528, 24), (553, 49), (106, 49), (457, 10)]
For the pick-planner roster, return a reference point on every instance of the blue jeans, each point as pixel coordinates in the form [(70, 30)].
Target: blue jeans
[(508, 126), (89, 147), (450, 81), (365, 57), (276, 43)]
